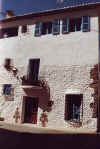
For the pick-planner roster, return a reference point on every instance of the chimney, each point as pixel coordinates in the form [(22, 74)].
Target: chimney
[(9, 13)]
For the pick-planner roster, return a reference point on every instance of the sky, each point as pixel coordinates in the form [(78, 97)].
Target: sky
[(28, 6), (21, 7)]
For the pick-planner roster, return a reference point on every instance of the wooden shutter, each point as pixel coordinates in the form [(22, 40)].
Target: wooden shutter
[(38, 27), (56, 27), (65, 26), (33, 69), (86, 23)]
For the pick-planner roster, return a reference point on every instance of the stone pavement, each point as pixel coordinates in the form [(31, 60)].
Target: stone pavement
[(31, 128)]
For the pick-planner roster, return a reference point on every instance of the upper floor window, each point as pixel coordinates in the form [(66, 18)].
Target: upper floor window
[(56, 27), (86, 23), (24, 29), (65, 25), (75, 25), (38, 26), (46, 28), (68, 25), (43, 28), (10, 32)]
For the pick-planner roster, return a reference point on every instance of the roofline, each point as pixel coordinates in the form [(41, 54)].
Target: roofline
[(53, 11)]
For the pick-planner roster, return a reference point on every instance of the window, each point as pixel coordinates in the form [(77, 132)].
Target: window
[(38, 29), (72, 107), (7, 89), (56, 27), (10, 32), (46, 28), (75, 25), (43, 28), (24, 29), (86, 23), (33, 69), (8, 92), (65, 26), (68, 25)]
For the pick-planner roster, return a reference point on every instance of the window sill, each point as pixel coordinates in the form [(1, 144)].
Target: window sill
[(75, 123)]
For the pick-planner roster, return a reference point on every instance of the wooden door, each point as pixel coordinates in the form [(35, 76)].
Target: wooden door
[(31, 110)]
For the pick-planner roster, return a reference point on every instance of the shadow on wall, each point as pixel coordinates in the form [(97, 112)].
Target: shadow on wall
[(8, 65), (45, 102), (43, 93)]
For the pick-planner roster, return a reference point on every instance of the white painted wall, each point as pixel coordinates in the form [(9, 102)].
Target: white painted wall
[(75, 48)]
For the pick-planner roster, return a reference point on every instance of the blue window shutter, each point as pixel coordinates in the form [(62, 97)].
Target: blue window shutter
[(38, 29), (65, 26), (86, 23), (56, 27)]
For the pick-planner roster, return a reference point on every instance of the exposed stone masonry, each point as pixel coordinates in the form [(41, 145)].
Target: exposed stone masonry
[(60, 79)]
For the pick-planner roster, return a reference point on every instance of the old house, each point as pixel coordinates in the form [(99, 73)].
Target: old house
[(46, 60)]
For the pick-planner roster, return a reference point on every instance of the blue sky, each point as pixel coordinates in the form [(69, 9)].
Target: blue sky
[(26, 6), (21, 7)]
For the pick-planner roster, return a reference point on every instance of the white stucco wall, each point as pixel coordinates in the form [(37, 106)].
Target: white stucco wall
[(75, 48)]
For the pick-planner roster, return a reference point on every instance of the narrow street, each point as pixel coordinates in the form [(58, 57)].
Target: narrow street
[(17, 140), (26, 137)]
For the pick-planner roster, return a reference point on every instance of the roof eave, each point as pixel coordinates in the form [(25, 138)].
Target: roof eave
[(53, 12)]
